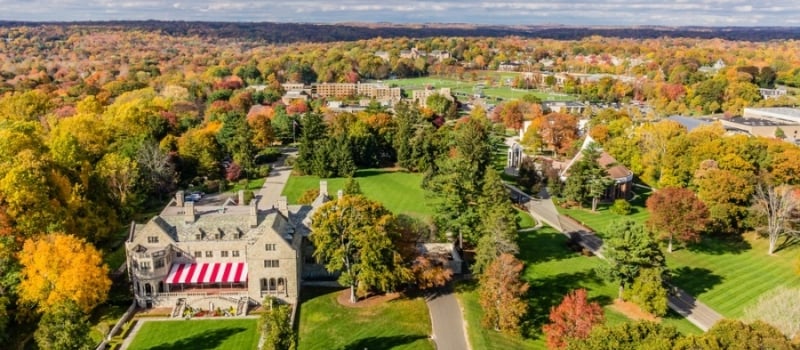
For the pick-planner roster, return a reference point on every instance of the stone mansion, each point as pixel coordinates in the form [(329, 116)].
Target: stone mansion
[(230, 254)]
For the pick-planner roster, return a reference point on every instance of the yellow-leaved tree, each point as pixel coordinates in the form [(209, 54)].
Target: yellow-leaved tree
[(58, 267)]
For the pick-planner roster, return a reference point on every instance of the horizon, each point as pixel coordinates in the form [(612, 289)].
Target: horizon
[(615, 13)]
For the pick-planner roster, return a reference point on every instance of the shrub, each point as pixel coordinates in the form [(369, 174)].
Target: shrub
[(268, 155), (308, 196), (621, 207), (248, 196)]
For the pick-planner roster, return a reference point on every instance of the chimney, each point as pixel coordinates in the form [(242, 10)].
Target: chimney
[(179, 198), (241, 197), (283, 206), (253, 214), (189, 216), (339, 194), (323, 188)]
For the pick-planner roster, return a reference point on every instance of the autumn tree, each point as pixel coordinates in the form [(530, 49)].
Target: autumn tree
[(725, 194), (628, 250), (356, 236), (64, 326), (676, 213), (574, 318), (778, 206), (648, 291), (628, 336), (559, 131), (57, 268), (778, 308), (431, 271), (276, 326), (502, 294), (735, 334)]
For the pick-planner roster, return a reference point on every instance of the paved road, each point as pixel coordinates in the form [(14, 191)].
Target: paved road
[(544, 210), (448, 324), (273, 186)]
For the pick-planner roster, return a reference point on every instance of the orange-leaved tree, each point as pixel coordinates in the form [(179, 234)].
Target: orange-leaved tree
[(574, 318), (502, 295), (58, 267), (677, 213)]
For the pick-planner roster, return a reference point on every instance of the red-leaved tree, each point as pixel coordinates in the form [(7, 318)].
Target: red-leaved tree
[(574, 318), (677, 214)]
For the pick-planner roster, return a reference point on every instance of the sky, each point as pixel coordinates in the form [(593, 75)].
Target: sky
[(514, 12)]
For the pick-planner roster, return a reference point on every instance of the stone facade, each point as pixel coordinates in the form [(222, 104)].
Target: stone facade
[(211, 240)]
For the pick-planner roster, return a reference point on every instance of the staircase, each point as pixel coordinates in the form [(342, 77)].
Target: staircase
[(241, 307), (177, 311)]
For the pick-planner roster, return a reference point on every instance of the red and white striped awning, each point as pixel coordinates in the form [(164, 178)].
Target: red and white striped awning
[(234, 272)]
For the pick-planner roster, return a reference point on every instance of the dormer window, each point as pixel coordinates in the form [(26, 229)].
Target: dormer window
[(152, 239)]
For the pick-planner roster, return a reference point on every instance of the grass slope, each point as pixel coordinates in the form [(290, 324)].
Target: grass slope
[(552, 270), (327, 325), (399, 191), (233, 334)]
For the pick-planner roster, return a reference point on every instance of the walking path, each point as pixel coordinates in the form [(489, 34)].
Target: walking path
[(273, 187), (447, 321), (544, 210)]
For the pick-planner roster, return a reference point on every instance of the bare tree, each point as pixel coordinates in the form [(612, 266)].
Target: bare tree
[(778, 205)]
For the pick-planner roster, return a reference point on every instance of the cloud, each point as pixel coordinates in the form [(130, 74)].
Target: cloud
[(512, 12)]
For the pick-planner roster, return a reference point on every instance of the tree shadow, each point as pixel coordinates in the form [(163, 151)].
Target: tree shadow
[(537, 246), (717, 245), (208, 340), (788, 242), (383, 342), (549, 292), (694, 280), (374, 172)]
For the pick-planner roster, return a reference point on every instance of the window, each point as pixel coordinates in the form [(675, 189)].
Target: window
[(198, 254), (159, 263), (209, 254), (270, 247), (152, 239), (198, 236), (235, 253), (223, 253), (178, 254), (144, 265), (271, 263)]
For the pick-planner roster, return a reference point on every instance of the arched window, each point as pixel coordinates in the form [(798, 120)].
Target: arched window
[(272, 284), (161, 287), (264, 284), (281, 285), (148, 289)]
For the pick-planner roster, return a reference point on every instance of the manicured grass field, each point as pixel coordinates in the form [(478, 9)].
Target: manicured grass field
[(726, 273), (326, 325), (233, 334), (552, 270), (400, 191), (252, 185), (731, 275), (468, 87)]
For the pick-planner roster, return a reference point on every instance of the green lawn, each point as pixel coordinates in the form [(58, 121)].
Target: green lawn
[(730, 275), (552, 270), (726, 273), (325, 324), (234, 334), (252, 185), (400, 191), (525, 220), (469, 87)]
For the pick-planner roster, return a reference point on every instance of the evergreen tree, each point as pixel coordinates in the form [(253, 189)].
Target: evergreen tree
[(498, 227), (312, 136), (352, 187), (629, 250)]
